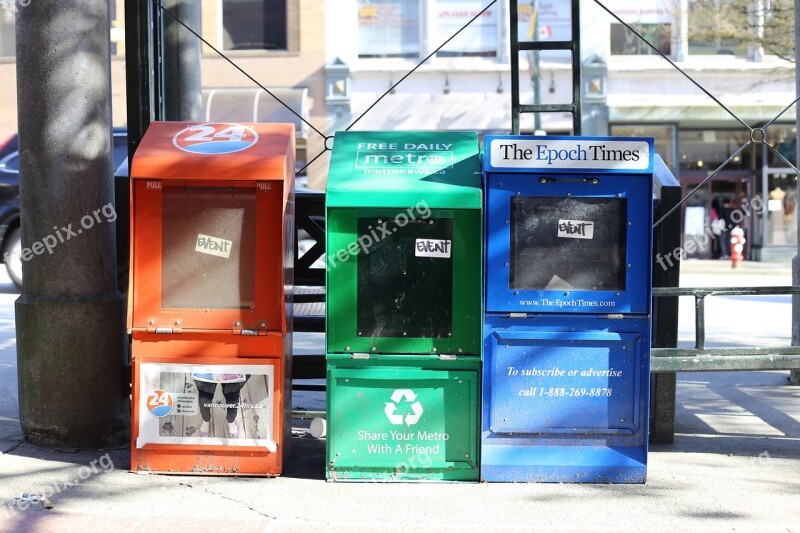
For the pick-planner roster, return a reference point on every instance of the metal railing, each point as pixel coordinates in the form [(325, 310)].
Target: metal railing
[(717, 358)]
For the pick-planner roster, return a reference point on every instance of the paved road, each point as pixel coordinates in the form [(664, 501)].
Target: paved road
[(735, 464)]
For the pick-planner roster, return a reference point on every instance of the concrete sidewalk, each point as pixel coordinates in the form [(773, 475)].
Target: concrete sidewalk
[(735, 465)]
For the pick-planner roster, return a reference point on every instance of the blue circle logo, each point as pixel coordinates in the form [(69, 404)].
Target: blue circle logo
[(215, 138)]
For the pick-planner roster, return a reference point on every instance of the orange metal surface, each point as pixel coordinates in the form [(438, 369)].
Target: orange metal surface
[(192, 455), (193, 344), (263, 171), (212, 242)]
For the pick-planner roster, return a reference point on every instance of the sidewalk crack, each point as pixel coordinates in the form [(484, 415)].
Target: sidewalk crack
[(240, 502)]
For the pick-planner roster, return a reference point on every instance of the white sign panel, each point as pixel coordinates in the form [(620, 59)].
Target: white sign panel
[(570, 154), (479, 36), (193, 405), (642, 11)]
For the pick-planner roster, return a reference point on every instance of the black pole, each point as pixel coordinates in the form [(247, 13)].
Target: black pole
[(795, 374)]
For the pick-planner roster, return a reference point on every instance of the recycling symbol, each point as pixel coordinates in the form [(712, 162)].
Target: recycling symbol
[(391, 408)]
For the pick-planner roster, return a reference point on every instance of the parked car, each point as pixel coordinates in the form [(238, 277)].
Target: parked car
[(8, 146), (10, 234)]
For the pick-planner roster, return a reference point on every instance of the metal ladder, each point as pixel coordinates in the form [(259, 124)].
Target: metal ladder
[(574, 46)]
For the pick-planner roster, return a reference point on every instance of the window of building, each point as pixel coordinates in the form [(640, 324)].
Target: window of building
[(479, 38), (664, 136), (779, 187), (255, 25), (719, 27), (625, 42), (414, 28), (706, 149), (388, 28), (8, 45)]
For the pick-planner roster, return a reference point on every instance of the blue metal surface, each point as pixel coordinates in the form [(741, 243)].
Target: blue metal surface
[(566, 369), (506, 185), (565, 399)]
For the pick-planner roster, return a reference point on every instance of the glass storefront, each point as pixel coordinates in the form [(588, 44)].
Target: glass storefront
[(665, 136), (778, 186), (753, 186)]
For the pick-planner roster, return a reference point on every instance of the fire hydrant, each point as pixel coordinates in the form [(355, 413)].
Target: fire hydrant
[(737, 246)]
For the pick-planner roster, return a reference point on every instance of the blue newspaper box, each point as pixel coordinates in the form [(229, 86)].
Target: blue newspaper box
[(568, 299)]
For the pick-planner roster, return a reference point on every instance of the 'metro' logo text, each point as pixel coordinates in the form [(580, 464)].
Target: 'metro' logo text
[(404, 158)]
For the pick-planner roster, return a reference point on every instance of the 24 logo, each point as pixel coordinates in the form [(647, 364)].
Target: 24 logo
[(160, 403)]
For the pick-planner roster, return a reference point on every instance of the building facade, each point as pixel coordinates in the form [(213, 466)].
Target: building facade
[(629, 89), (355, 64), (280, 43)]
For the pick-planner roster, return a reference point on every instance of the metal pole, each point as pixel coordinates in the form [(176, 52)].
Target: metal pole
[(514, 46), (70, 319), (182, 79), (138, 71), (537, 71), (795, 374)]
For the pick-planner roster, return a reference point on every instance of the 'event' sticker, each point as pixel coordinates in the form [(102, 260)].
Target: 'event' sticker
[(433, 248), (213, 246), (575, 229)]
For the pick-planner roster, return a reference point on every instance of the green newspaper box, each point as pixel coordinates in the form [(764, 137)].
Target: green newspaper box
[(404, 289)]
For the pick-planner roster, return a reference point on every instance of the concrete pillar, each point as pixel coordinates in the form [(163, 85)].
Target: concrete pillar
[(71, 343), (795, 374), (183, 83)]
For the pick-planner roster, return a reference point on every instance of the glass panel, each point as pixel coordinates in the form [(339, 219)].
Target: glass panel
[(705, 150), (720, 27), (8, 47), (208, 248), (625, 42), (405, 282), (479, 38), (783, 139), (781, 193), (663, 134), (782, 209), (553, 23), (568, 243), (388, 28), (696, 219), (538, 72), (254, 24)]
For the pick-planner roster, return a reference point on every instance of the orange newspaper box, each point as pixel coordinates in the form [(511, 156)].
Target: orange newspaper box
[(212, 237)]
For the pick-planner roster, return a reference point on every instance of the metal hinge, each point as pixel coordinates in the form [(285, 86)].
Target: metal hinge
[(167, 331), (359, 355), (249, 332), (518, 315), (615, 316), (447, 357)]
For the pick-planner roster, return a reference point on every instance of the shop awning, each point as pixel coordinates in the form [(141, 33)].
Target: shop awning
[(754, 108), (485, 112), (255, 105)]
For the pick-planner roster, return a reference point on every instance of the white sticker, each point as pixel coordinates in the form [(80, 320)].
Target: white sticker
[(576, 229), (213, 246), (433, 248)]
